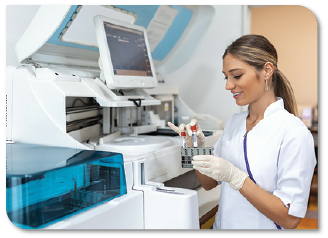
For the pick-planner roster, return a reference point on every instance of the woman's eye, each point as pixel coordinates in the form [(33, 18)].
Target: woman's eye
[(235, 77)]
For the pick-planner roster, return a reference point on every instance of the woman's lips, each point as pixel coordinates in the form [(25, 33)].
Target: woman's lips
[(237, 95)]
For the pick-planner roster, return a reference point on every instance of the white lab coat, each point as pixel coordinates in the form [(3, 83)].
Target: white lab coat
[(281, 157)]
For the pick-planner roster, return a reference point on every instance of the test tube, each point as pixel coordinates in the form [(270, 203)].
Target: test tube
[(194, 136), (183, 135), (74, 178)]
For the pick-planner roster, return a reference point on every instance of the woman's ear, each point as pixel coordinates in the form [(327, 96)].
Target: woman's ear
[(268, 70)]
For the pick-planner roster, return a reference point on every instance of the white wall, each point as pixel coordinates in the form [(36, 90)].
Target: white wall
[(201, 81)]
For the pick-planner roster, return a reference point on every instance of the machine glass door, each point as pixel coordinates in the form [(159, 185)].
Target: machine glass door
[(79, 180)]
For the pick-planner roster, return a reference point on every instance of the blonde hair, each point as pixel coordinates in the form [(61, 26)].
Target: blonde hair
[(256, 50)]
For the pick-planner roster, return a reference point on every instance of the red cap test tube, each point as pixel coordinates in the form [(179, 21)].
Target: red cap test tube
[(183, 135), (194, 136)]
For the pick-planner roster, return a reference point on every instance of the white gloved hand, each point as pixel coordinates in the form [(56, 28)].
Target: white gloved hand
[(220, 170), (187, 128)]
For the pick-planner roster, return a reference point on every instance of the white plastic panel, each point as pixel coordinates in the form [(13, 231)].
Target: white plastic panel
[(135, 144), (165, 207), (35, 118), (124, 212), (81, 31), (42, 27)]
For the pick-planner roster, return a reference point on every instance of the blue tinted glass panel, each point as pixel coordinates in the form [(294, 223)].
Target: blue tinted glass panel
[(46, 184)]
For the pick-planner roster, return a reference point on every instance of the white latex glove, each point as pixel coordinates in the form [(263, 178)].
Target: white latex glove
[(220, 170), (187, 129)]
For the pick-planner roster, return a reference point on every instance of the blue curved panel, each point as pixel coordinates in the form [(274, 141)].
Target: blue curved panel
[(144, 15), (174, 33), (54, 39)]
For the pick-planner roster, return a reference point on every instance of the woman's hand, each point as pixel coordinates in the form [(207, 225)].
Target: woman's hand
[(206, 182), (187, 129), (220, 170)]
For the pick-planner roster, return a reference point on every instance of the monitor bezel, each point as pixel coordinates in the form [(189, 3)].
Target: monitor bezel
[(121, 81)]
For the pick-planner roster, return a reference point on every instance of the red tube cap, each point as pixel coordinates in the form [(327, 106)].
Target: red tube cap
[(193, 127), (183, 133)]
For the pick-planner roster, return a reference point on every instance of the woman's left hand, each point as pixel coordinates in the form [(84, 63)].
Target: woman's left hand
[(220, 170)]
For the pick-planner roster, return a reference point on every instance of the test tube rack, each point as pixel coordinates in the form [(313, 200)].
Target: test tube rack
[(187, 155)]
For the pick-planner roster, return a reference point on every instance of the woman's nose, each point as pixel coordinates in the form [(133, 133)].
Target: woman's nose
[(229, 84)]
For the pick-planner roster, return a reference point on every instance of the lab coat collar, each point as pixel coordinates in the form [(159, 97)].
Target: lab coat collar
[(273, 107)]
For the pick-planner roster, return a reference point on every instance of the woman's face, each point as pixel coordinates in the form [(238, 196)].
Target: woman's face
[(243, 82)]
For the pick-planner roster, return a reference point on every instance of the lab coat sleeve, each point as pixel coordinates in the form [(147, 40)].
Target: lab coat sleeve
[(296, 164)]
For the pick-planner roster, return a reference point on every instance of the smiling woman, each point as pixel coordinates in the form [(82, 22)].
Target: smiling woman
[(247, 85), (265, 158), (257, 52)]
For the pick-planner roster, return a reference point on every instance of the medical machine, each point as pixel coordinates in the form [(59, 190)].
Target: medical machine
[(87, 120)]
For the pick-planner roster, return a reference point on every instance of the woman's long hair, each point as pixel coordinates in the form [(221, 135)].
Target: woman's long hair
[(256, 50)]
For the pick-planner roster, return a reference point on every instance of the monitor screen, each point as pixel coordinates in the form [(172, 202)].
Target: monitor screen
[(125, 56), (128, 51)]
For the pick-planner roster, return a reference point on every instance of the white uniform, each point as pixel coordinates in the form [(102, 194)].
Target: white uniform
[(281, 158)]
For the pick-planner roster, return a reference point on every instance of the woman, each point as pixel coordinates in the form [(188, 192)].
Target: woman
[(265, 158)]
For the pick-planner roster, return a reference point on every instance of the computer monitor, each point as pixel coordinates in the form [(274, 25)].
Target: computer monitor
[(125, 54)]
